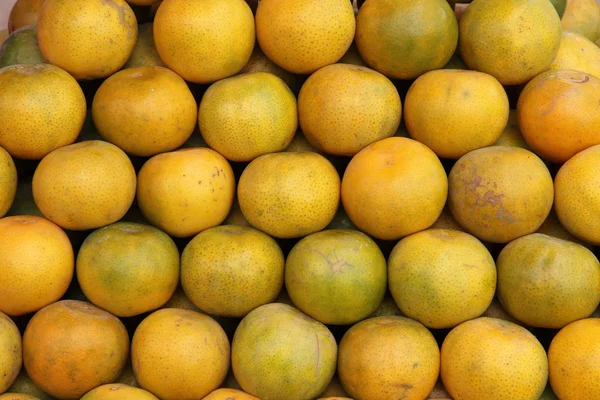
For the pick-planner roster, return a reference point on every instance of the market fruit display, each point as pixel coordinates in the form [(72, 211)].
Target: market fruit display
[(300, 200)]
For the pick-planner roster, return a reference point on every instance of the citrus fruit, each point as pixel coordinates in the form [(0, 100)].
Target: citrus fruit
[(71, 347), (454, 111), (128, 268), (288, 195), (186, 191), (572, 360), (388, 357), (577, 53), (23, 13), (500, 193), (302, 36), (553, 227), (558, 113), (229, 270), (144, 52), (441, 277), (343, 108), (403, 39), (493, 359), (334, 389), (118, 391), (280, 353), (511, 136), (77, 45), (260, 63), (229, 394), (248, 115), (8, 184), (179, 354), (205, 40), (446, 221), (576, 199), (85, 185), (145, 110), (394, 187), (42, 108), (17, 396), (560, 6), (512, 40), (583, 17), (548, 282), (37, 264), (24, 385), (336, 276), (10, 352), (21, 47), (300, 144)]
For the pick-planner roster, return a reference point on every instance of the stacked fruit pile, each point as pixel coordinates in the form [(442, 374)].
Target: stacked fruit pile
[(300, 199)]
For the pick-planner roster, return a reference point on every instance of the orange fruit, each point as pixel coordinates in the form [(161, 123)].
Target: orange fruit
[(229, 270), (180, 300), (235, 216), (441, 277), (86, 185), (248, 115), (229, 394), (186, 191), (289, 195), (128, 268), (303, 36), (446, 221), (280, 353), (572, 360), (300, 144), (206, 40), (24, 385), (8, 185), (500, 193), (179, 354), (583, 17), (511, 40), (144, 53), (11, 358), (127, 377), (334, 389), (577, 53), (17, 396), (548, 282), (21, 47), (23, 13), (488, 358), (454, 112), (42, 108), (495, 310), (511, 136), (576, 196), (260, 63), (394, 187), (145, 110), (403, 39), (71, 347), (343, 108), (388, 357), (118, 391), (343, 262), (352, 57), (558, 114), (77, 45), (553, 227), (37, 264)]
